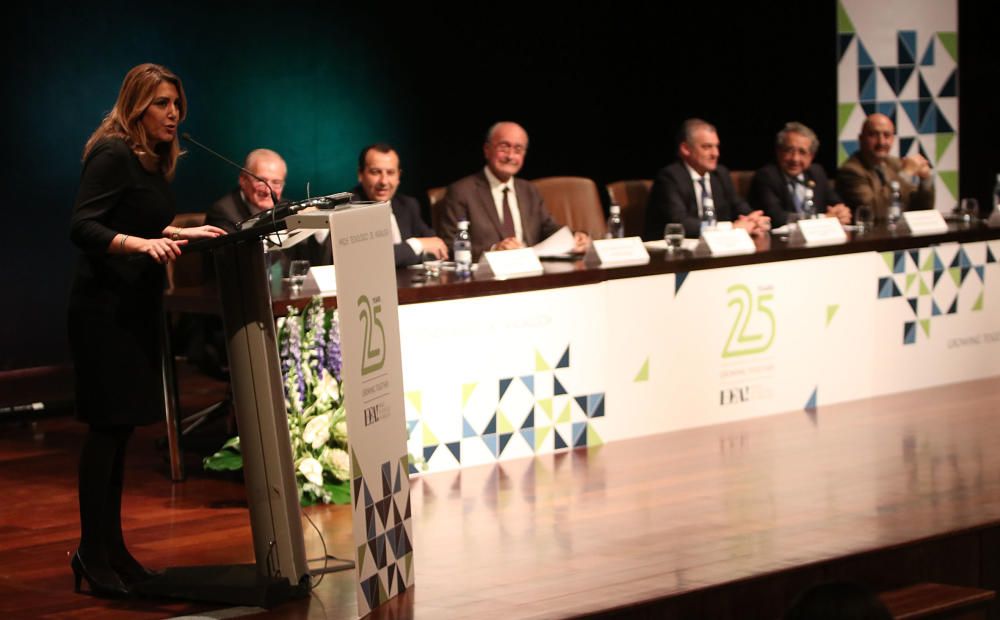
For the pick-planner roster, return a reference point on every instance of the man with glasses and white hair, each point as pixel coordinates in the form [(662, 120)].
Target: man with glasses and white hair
[(252, 196), (780, 188), (504, 212)]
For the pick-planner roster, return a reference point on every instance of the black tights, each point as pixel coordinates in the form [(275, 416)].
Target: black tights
[(102, 473)]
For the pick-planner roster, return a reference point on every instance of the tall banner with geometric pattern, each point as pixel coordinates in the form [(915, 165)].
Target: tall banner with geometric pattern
[(373, 398), (900, 58)]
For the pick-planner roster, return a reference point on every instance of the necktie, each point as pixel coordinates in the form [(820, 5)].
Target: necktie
[(797, 193), (880, 173), (704, 191), (507, 225)]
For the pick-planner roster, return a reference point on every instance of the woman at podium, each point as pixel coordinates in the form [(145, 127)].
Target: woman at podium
[(121, 225)]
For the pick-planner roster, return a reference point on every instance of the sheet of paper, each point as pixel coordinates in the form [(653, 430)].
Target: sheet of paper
[(325, 277), (559, 243)]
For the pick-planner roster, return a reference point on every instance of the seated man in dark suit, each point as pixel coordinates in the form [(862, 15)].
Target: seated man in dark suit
[(779, 188), (252, 196), (679, 189), (866, 178), (504, 212), (378, 179)]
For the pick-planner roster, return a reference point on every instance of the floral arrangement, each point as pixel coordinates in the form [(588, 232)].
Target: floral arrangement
[(309, 348)]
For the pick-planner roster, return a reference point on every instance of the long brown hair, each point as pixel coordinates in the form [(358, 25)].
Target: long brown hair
[(125, 118)]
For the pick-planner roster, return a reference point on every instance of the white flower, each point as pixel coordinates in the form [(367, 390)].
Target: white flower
[(312, 470), (317, 431), (327, 389), (338, 462), (340, 432)]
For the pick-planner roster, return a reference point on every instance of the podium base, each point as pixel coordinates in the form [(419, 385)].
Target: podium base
[(234, 584)]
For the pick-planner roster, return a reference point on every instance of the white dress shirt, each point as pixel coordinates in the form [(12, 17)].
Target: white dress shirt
[(397, 236)]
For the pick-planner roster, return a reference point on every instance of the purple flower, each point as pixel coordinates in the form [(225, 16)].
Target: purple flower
[(294, 326), (333, 358), (316, 318)]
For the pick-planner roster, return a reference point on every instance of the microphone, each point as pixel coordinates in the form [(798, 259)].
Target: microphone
[(274, 197), (277, 212)]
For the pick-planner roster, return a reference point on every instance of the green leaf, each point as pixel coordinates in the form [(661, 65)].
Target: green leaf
[(340, 492), (234, 443), (224, 460)]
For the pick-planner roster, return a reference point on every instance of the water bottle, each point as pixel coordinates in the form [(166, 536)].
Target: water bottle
[(616, 227), (707, 213), (896, 206), (463, 250), (994, 218), (996, 195), (808, 206)]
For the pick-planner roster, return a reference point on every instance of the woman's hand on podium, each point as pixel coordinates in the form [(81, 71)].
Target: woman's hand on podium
[(198, 232), (161, 250)]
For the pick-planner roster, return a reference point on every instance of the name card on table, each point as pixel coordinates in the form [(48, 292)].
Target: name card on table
[(617, 252), (927, 222), (325, 277), (822, 231), (727, 242), (513, 263)]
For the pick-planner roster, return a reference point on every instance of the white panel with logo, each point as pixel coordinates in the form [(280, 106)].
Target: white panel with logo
[(373, 398), (507, 376)]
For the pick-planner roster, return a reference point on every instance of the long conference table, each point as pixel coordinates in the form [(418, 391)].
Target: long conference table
[(578, 356)]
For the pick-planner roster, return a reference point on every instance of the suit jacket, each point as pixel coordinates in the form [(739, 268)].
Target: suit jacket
[(470, 199), (406, 210), (672, 199), (861, 184), (769, 192), (228, 211), (231, 209)]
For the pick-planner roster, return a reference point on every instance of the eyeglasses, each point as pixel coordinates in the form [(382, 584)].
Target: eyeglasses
[(507, 147), (794, 150), (274, 183)]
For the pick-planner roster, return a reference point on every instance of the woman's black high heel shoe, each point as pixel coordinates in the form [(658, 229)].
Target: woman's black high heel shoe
[(108, 585)]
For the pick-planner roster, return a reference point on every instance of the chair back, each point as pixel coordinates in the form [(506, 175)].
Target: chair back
[(631, 195), (435, 196), (741, 181), (574, 202), (189, 268)]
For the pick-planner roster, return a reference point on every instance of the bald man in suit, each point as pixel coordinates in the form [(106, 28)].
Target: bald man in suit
[(504, 212), (866, 178)]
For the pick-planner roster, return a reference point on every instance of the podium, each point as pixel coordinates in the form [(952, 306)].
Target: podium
[(280, 571), (373, 398)]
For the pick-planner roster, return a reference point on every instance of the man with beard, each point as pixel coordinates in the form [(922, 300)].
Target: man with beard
[(867, 177)]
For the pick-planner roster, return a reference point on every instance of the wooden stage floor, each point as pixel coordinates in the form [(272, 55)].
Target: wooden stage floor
[(723, 521)]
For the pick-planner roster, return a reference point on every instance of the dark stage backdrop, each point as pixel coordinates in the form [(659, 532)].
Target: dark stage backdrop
[(601, 92)]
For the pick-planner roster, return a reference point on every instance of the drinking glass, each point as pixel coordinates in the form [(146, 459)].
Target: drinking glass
[(968, 210), (673, 234), (432, 266), (297, 272), (864, 218)]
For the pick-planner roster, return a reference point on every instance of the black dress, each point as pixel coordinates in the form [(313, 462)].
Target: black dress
[(115, 307)]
